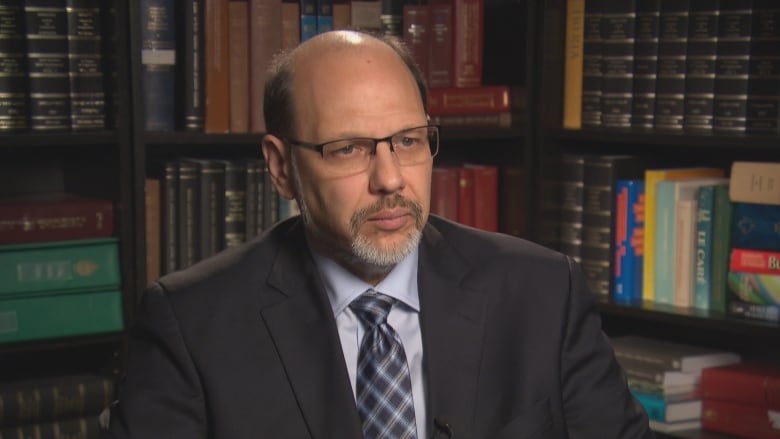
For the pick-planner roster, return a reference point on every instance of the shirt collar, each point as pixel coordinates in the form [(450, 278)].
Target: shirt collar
[(343, 287)]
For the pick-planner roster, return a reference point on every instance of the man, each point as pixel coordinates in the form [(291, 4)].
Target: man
[(497, 337)]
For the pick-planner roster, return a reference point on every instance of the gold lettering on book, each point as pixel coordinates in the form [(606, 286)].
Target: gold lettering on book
[(43, 271), (65, 402), (29, 405), (86, 268)]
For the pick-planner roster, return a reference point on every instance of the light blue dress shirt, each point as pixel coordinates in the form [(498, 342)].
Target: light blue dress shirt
[(343, 287)]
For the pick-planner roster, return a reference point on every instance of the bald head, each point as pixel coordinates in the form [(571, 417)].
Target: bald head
[(316, 60)]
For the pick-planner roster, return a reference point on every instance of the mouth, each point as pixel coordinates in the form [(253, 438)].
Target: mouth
[(390, 220)]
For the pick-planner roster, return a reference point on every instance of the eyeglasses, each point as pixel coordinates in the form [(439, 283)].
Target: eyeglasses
[(344, 157)]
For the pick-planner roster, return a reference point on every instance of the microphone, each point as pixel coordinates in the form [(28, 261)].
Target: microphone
[(441, 429)]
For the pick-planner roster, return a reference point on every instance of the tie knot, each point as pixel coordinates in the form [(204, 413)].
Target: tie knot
[(372, 308)]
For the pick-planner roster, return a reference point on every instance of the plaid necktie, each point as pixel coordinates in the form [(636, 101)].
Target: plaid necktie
[(384, 387)]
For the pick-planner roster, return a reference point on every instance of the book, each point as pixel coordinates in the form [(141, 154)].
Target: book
[(755, 261), (763, 100), (639, 371), (13, 71), (187, 214), (55, 315), (417, 33), (572, 76), (755, 226), (466, 196), (468, 36), (71, 428), (153, 222), (561, 204), (235, 202), (444, 192), (672, 55), (440, 55), (342, 14), (755, 182), (485, 196), (366, 15), (210, 207), (308, 19), (469, 100), (671, 356), (739, 420), (190, 68), (512, 207), (392, 17), (618, 31), (54, 217), (59, 266), (170, 218), (629, 233), (158, 61), (748, 383), (667, 235), (217, 66), (645, 64), (701, 51), (290, 24), (53, 398), (325, 16), (503, 119), (722, 228), (705, 247), (239, 28), (87, 92), (756, 288), (671, 427), (732, 66), (668, 392), (652, 177), (265, 39), (684, 244), (661, 410), (48, 69), (591, 65)]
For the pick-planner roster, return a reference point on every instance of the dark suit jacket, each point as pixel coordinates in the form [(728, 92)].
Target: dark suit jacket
[(244, 345)]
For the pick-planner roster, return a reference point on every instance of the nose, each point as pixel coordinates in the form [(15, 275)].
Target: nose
[(385, 172)]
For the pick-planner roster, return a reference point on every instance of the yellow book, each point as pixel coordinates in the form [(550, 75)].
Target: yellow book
[(572, 81), (652, 177)]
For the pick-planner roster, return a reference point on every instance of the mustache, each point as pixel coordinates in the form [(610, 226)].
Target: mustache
[(389, 202)]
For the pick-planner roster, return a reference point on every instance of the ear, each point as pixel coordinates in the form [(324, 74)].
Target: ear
[(277, 158)]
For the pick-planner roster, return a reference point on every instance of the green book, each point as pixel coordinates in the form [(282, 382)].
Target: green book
[(60, 315), (78, 265)]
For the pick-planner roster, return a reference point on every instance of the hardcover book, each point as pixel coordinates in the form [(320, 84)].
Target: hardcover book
[(748, 383), (13, 70), (417, 33), (755, 261), (190, 65), (755, 182), (238, 64), (591, 65), (158, 61), (265, 39), (705, 247), (87, 92), (666, 355), (763, 104), (700, 65), (661, 410), (756, 226), (672, 55), (217, 67), (732, 66), (440, 56), (629, 231), (470, 100), (572, 82), (645, 64), (444, 192), (722, 228), (739, 420), (561, 204), (468, 36), (618, 33)]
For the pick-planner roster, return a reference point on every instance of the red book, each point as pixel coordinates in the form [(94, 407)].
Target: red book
[(265, 39), (748, 383), (444, 192), (417, 28), (441, 44), (466, 196), (217, 66), (739, 420), (471, 100), (468, 40), (485, 196), (755, 261), (54, 217)]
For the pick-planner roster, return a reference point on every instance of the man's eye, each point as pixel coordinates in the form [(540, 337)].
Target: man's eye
[(409, 142)]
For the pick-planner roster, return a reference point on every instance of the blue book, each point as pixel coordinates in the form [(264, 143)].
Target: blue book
[(324, 16), (704, 238), (663, 410), (158, 62), (629, 228), (308, 19), (756, 226)]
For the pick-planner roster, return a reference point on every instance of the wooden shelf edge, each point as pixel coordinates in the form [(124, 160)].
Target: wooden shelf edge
[(684, 139)]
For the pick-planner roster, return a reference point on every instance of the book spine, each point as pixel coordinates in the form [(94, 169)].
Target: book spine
[(572, 82), (365, 15), (190, 65), (13, 70), (672, 54), (265, 39), (755, 226), (755, 182), (217, 65), (472, 100), (591, 65), (763, 105), (597, 223), (440, 56), (629, 223), (561, 210), (721, 228), (512, 208), (308, 19), (239, 65), (168, 238), (392, 17), (270, 202), (325, 17), (474, 120), (466, 200), (342, 14), (48, 67), (700, 65), (752, 311), (444, 192), (158, 61), (752, 385), (468, 39), (211, 209), (664, 242), (757, 288), (250, 198), (66, 266), (645, 64), (755, 261), (416, 34), (655, 407), (56, 221), (235, 203), (87, 92), (486, 197), (291, 24), (704, 238), (72, 428), (684, 265), (153, 216), (732, 67), (188, 210), (738, 420), (618, 21), (50, 399), (263, 178)]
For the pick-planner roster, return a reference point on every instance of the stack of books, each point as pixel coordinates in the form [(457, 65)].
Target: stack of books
[(665, 378), (65, 406), (742, 400), (59, 268)]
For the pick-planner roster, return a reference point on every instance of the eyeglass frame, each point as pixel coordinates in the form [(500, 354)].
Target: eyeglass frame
[(320, 147)]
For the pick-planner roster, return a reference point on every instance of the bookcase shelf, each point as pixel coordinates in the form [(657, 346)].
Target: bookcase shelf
[(641, 140), (32, 140)]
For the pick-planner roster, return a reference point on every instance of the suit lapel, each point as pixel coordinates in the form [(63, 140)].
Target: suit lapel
[(299, 319), (452, 320)]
